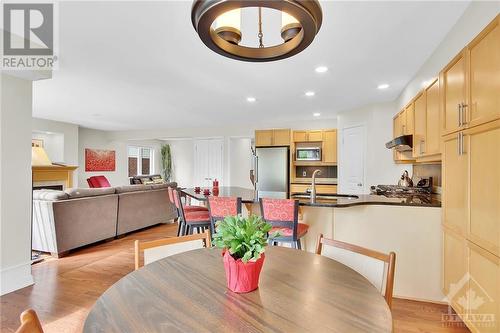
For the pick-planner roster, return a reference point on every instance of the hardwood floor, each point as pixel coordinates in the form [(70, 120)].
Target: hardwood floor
[(66, 289)]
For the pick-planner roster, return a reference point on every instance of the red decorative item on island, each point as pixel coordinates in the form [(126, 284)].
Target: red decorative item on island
[(241, 277)]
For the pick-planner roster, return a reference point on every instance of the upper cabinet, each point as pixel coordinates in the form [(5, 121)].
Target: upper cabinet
[(432, 122), (403, 124), (471, 83), (272, 137), (483, 55), (308, 136), (330, 146), (453, 94), (420, 124)]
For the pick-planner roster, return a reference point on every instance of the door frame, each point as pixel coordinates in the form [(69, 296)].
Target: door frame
[(340, 145)]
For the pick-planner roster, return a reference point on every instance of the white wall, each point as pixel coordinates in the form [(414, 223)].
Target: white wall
[(183, 161), (15, 183), (474, 19), (53, 143), (379, 164), (69, 149), (240, 162), (95, 139)]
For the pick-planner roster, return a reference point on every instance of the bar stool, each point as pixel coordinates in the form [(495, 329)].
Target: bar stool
[(220, 207), (283, 214), (199, 220)]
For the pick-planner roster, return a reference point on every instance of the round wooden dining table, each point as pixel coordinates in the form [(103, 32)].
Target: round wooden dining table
[(298, 292)]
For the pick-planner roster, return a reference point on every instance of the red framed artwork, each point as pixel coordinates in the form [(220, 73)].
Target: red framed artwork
[(99, 160)]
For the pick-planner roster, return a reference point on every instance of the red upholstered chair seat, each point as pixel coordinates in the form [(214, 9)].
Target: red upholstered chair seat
[(197, 217), (288, 232), (98, 182)]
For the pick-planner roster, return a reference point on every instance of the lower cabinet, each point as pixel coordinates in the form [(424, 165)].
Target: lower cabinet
[(320, 188), (484, 291), (455, 254), (471, 277)]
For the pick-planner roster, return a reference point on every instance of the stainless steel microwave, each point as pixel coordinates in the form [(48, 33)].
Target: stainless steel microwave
[(308, 154)]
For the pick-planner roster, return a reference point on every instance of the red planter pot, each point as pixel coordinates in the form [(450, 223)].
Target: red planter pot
[(241, 277)]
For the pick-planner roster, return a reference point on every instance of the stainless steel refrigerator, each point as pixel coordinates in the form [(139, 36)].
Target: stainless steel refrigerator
[(272, 169)]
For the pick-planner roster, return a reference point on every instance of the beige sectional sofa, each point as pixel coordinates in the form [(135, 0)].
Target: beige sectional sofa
[(66, 220)]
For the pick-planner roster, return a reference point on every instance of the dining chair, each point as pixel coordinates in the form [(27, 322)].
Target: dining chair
[(187, 208), (220, 207), (190, 220), (166, 247), (29, 322), (283, 214), (376, 267)]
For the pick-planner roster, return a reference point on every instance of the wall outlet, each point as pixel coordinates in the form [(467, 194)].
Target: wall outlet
[(304, 174)]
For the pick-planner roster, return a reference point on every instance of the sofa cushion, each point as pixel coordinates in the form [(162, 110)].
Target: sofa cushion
[(164, 185), (89, 192), (49, 195), (132, 188)]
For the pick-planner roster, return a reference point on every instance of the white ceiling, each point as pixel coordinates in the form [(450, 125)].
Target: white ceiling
[(140, 65)]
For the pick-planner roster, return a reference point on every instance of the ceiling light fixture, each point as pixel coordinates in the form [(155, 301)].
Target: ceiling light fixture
[(321, 69), (310, 93), (316, 114), (218, 24), (383, 86), (251, 99)]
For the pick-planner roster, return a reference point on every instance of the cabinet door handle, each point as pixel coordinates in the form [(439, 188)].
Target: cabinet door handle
[(463, 145), (464, 114), (459, 114), (422, 145), (458, 145)]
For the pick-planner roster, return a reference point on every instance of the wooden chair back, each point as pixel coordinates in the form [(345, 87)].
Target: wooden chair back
[(388, 261), (29, 322), (170, 246)]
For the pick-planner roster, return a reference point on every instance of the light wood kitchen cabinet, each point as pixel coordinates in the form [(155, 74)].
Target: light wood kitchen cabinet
[(455, 183), (263, 138), (419, 134), (299, 136), (483, 55), (315, 136), (320, 188), (329, 146), (484, 185), (409, 114), (455, 268), (484, 291), (281, 137), (433, 119), (272, 137), (308, 136), (453, 94), (400, 124), (399, 128)]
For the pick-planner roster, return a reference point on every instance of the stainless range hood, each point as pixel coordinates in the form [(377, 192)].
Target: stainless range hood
[(401, 143)]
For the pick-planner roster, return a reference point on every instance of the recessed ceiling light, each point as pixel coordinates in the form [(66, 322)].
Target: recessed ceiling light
[(310, 93), (321, 69), (383, 86), (251, 99), (316, 114)]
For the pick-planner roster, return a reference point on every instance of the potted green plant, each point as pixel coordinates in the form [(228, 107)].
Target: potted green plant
[(243, 240), (166, 162)]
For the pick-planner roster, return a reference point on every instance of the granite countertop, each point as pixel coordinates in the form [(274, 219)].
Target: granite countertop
[(337, 201)]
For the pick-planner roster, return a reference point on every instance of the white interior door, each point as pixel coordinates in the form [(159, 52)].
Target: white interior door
[(208, 161), (353, 160)]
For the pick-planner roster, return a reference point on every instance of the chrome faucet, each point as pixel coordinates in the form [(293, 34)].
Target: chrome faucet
[(313, 185)]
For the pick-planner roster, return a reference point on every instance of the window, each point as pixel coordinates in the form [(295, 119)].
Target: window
[(140, 161)]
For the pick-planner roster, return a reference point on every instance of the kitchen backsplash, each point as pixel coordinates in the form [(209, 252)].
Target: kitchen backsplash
[(307, 171), (428, 170)]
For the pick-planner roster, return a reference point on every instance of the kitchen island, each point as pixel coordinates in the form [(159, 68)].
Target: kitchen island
[(409, 226)]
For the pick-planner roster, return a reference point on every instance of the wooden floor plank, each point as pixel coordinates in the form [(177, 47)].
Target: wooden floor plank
[(67, 288)]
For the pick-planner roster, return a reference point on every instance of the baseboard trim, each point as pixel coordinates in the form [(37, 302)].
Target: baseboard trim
[(15, 277), (421, 300)]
